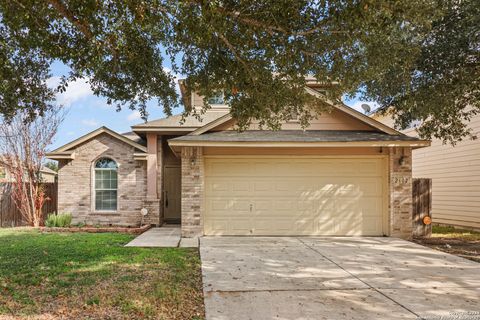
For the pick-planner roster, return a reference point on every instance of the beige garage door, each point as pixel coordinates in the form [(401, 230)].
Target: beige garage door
[(294, 196)]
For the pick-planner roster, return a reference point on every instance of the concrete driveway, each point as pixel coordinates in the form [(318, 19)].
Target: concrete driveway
[(335, 278)]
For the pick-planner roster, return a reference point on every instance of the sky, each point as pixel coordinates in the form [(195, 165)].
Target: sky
[(86, 112)]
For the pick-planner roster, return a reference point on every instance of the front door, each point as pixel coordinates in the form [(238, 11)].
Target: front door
[(172, 194)]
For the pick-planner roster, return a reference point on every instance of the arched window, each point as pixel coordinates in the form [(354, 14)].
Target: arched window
[(106, 185)]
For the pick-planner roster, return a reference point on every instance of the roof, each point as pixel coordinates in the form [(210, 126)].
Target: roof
[(66, 152), (134, 137), (47, 170), (190, 123), (295, 136)]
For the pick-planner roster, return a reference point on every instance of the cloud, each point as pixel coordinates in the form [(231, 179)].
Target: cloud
[(90, 122), (176, 76), (135, 115), (77, 90)]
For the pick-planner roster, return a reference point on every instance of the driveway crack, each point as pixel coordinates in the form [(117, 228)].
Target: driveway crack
[(354, 276)]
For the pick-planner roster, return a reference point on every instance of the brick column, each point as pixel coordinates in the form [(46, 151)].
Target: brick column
[(400, 181), (152, 201), (152, 166), (192, 191)]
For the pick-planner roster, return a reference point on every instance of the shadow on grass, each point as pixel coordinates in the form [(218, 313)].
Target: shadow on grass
[(41, 272)]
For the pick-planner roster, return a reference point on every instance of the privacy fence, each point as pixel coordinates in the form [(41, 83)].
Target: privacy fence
[(10, 216), (422, 207)]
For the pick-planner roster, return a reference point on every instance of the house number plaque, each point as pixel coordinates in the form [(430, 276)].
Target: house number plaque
[(401, 180)]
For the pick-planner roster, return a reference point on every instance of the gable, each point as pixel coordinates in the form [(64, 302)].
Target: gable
[(101, 144), (341, 118), (67, 151), (334, 120)]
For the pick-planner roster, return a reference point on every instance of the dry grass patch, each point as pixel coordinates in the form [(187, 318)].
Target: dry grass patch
[(93, 276), (463, 243)]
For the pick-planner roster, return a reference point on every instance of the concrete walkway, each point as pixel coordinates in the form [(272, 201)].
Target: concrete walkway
[(166, 236), (335, 278)]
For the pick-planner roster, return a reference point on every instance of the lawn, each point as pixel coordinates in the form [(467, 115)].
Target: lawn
[(93, 276), (463, 243)]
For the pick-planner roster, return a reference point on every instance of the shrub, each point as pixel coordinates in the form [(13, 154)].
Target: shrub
[(59, 220)]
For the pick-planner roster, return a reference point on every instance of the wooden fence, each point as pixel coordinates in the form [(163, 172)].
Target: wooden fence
[(10, 216), (422, 207)]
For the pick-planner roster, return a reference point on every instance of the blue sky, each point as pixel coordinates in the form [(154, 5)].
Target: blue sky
[(86, 112)]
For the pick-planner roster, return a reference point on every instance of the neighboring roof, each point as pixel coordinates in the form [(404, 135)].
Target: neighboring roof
[(175, 122), (64, 152), (48, 171)]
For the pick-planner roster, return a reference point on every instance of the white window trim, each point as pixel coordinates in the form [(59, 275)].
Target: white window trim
[(93, 189), (218, 105)]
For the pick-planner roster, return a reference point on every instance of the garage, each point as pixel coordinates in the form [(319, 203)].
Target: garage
[(295, 195)]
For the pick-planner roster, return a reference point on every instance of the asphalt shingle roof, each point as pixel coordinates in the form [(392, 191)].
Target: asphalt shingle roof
[(294, 136), (176, 121)]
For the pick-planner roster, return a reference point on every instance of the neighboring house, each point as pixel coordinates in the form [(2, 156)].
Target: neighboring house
[(347, 174), (46, 174), (455, 174)]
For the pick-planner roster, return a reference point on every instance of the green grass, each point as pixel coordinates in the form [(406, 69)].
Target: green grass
[(81, 275), (451, 232)]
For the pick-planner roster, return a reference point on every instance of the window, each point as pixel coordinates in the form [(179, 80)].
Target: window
[(106, 185), (218, 98)]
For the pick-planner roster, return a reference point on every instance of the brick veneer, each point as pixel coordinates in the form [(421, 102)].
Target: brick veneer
[(75, 184), (192, 191), (400, 181)]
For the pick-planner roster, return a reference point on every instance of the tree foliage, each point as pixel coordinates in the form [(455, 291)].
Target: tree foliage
[(52, 165), (419, 57)]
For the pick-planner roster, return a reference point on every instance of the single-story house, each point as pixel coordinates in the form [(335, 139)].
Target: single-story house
[(455, 174), (346, 174)]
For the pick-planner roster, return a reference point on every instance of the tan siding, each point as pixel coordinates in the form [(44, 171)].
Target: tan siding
[(455, 171), (334, 120), (385, 119)]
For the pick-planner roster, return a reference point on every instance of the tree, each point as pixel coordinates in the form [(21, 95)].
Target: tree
[(52, 165), (23, 144), (418, 57)]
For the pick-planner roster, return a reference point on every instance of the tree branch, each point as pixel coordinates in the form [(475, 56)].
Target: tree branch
[(66, 13), (233, 50)]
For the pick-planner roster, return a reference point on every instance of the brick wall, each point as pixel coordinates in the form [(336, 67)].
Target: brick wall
[(400, 205), (75, 184), (192, 191)]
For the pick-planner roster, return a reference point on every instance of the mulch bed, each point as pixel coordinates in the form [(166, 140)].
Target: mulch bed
[(459, 247), (93, 229)]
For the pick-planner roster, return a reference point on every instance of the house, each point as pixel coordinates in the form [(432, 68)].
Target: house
[(455, 174), (347, 174), (47, 175)]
